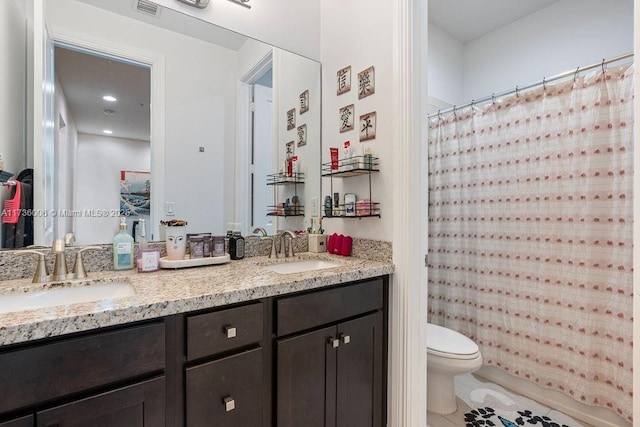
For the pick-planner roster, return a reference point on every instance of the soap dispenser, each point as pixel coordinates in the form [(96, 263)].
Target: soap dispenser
[(236, 243), (123, 248)]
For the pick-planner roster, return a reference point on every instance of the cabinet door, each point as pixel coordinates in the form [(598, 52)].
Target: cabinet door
[(359, 373), (22, 422), (306, 369), (138, 405), (226, 392)]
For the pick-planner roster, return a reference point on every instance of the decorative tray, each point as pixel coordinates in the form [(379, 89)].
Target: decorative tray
[(195, 262)]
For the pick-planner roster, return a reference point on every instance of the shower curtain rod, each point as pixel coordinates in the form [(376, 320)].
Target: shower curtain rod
[(544, 81)]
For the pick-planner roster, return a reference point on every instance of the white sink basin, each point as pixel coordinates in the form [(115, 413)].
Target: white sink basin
[(20, 301), (300, 266)]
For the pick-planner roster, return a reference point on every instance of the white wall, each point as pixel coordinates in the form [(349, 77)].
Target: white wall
[(200, 108), (561, 37), (100, 160), (12, 87), (66, 147), (292, 75), (288, 24), (359, 33), (446, 66), (12, 83)]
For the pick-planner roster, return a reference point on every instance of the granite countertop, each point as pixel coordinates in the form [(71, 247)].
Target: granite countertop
[(168, 292)]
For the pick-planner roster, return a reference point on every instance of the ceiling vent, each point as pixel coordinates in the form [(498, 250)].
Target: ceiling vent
[(147, 7)]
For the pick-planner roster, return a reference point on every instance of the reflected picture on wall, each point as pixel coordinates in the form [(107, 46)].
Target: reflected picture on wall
[(135, 193)]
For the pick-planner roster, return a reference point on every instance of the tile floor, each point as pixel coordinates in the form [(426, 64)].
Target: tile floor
[(470, 388)]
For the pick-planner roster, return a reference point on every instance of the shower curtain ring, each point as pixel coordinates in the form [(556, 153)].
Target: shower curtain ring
[(517, 92), (575, 75), (454, 111), (603, 66), (544, 83), (493, 98)]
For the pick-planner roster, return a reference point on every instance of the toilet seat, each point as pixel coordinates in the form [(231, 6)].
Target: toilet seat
[(450, 344)]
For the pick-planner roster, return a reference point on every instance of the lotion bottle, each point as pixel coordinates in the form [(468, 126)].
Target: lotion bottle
[(123, 248), (236, 243)]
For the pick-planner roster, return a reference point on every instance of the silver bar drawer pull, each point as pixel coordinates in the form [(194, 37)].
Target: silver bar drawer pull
[(345, 338), (229, 404), (230, 331), (335, 343)]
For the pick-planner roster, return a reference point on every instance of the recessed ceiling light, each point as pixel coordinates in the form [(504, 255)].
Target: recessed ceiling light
[(107, 131), (109, 98)]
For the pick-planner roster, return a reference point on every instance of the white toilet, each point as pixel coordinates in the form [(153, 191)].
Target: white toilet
[(449, 353)]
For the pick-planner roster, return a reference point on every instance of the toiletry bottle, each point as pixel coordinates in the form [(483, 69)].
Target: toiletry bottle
[(123, 248), (141, 234), (236, 243), (328, 206)]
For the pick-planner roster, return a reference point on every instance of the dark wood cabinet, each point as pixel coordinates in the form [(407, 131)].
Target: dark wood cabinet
[(305, 380), (359, 397), (334, 376), (226, 392), (314, 359), (21, 422), (138, 405)]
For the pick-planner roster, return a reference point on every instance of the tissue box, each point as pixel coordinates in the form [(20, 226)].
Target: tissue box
[(317, 243)]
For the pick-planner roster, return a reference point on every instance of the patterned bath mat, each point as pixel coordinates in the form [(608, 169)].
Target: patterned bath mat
[(483, 417), (493, 406)]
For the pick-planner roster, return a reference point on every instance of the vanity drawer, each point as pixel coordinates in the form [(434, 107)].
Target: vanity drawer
[(63, 367), (224, 330), (226, 392), (313, 309)]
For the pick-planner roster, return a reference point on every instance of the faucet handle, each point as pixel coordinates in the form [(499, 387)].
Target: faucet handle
[(42, 273), (273, 253), (289, 250), (78, 266)]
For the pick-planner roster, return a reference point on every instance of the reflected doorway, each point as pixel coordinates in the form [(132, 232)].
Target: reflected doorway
[(262, 151), (102, 110)]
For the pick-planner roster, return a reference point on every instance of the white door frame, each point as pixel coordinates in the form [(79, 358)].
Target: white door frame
[(243, 137), (156, 62), (408, 291)]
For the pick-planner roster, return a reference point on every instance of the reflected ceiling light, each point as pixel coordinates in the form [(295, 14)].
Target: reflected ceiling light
[(242, 3), (107, 131), (109, 98), (201, 4)]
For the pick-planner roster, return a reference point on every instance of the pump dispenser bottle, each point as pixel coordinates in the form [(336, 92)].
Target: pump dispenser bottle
[(236, 243), (123, 248)]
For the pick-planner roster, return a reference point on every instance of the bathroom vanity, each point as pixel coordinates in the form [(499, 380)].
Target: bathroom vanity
[(234, 345)]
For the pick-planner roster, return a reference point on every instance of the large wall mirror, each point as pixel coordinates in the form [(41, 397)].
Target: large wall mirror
[(198, 123)]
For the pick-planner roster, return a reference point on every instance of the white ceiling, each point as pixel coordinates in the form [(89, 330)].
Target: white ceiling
[(86, 78), (467, 20)]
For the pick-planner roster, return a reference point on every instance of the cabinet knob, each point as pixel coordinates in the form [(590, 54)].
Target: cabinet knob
[(229, 404), (230, 331), (345, 338), (335, 343)]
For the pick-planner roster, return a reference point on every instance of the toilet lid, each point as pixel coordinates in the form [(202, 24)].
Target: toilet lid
[(449, 343)]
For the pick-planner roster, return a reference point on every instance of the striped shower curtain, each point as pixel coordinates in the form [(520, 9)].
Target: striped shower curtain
[(530, 234)]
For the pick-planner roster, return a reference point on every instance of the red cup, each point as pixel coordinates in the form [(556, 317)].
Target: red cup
[(337, 249), (331, 243), (345, 248)]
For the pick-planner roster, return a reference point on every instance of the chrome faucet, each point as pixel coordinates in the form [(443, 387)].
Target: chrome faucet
[(259, 230), (60, 270), (283, 240)]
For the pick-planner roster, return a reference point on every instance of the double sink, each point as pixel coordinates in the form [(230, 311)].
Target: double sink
[(56, 295)]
